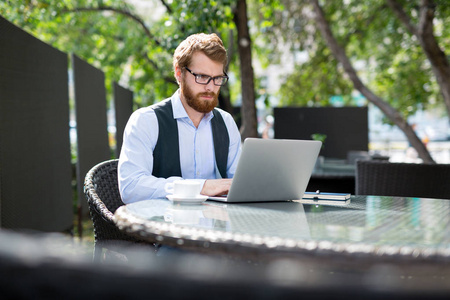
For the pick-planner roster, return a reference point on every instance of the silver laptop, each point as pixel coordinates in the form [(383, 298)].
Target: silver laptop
[(272, 170)]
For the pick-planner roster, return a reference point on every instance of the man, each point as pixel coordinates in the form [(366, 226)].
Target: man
[(184, 136)]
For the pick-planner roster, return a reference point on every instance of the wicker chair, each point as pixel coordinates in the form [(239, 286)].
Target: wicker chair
[(102, 193), (403, 179)]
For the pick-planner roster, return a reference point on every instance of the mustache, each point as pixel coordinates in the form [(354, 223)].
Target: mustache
[(207, 94)]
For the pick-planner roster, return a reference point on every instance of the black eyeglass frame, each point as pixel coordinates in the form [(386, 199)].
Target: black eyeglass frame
[(224, 78)]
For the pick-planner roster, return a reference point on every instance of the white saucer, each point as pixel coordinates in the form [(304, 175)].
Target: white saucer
[(194, 200)]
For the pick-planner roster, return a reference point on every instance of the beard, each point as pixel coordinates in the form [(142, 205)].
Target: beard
[(194, 101)]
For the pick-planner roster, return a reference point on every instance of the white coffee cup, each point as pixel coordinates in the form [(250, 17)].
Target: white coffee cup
[(184, 188)]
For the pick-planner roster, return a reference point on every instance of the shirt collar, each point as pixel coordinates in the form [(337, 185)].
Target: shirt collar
[(178, 109)]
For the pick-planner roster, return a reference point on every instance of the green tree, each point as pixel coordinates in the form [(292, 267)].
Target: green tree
[(400, 74)]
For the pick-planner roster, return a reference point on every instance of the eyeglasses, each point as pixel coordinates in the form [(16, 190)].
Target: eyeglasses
[(205, 79)]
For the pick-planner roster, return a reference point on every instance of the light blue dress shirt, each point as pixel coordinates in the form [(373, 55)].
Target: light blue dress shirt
[(197, 158)]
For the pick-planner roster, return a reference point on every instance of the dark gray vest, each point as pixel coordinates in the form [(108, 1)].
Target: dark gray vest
[(166, 156)]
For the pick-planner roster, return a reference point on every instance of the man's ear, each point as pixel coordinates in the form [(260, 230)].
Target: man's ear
[(178, 73)]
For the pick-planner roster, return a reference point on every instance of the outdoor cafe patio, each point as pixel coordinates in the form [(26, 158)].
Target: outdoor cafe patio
[(391, 239)]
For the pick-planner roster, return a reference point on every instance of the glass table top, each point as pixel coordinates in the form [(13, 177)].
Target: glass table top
[(371, 220)]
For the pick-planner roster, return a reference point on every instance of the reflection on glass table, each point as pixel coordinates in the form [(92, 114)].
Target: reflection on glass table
[(287, 219)]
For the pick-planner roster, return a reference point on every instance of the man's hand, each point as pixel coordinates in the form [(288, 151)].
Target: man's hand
[(214, 187)]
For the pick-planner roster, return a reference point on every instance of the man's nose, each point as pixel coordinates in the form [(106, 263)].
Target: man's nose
[(210, 85)]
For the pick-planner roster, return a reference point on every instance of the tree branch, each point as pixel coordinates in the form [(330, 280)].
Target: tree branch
[(425, 35), (169, 9), (404, 18), (119, 11), (426, 18), (388, 110)]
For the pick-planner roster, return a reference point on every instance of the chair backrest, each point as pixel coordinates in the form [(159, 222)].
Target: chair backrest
[(102, 193), (403, 179)]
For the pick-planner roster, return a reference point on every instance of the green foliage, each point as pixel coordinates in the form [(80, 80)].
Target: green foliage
[(315, 81), (108, 35), (319, 137), (387, 57)]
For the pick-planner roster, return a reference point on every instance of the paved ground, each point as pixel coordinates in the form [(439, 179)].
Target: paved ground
[(399, 151)]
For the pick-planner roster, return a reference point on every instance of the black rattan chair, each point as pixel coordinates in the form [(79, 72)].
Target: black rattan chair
[(102, 193), (403, 179)]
